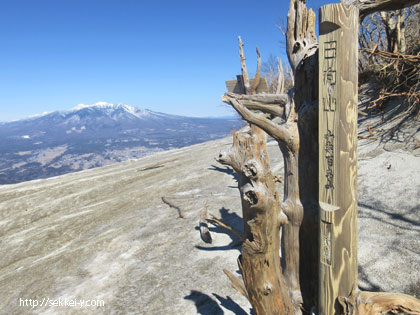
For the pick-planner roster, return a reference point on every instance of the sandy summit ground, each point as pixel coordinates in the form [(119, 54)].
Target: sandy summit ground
[(105, 234)]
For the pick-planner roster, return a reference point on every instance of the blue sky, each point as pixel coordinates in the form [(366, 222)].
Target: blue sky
[(167, 56)]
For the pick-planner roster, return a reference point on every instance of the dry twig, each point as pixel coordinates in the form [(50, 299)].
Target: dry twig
[(214, 220), (170, 204), (399, 75)]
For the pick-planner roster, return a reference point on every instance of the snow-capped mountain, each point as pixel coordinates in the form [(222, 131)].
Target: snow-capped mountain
[(102, 113), (94, 135)]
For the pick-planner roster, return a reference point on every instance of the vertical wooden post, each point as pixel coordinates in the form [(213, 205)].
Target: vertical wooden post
[(338, 58)]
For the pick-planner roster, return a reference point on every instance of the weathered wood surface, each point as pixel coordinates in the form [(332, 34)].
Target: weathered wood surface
[(263, 216), (338, 53), (297, 137), (367, 7), (260, 261), (292, 120), (237, 86), (374, 303), (274, 104), (301, 47)]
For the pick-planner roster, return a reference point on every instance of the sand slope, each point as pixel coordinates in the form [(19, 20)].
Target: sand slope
[(106, 234)]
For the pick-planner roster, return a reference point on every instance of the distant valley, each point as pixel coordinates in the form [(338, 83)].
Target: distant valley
[(95, 135)]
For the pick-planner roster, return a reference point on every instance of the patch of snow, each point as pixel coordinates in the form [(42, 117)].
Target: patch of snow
[(39, 115), (137, 112), (97, 104), (30, 117), (22, 153)]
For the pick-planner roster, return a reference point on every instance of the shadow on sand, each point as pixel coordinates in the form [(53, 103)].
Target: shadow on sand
[(226, 170), (206, 305)]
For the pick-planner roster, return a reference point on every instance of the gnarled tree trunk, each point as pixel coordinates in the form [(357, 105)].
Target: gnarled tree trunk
[(260, 260)]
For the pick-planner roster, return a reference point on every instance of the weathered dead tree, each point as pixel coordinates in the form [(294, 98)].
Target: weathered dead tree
[(260, 261), (301, 49), (290, 285)]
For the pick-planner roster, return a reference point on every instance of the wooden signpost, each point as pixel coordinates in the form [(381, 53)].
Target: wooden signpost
[(338, 71)]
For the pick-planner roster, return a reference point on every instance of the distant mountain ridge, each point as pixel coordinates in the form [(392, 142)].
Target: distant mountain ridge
[(94, 135)]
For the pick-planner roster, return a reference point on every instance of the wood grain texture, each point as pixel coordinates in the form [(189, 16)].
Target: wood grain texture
[(262, 214), (337, 154), (367, 7), (291, 208), (378, 303), (236, 86), (302, 47), (259, 262)]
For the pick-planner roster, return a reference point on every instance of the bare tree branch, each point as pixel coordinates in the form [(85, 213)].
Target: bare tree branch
[(237, 284), (215, 221), (274, 110), (170, 204), (292, 76), (258, 75), (280, 78), (269, 99), (227, 158), (367, 7), (274, 104), (276, 131), (245, 75)]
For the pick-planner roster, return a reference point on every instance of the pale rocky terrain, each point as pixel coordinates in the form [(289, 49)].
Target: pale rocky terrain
[(105, 233)]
